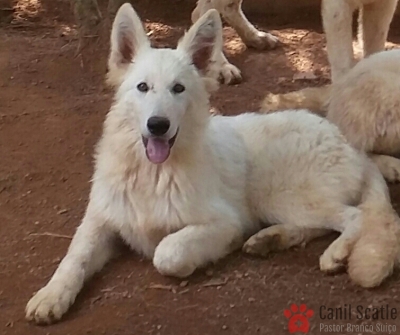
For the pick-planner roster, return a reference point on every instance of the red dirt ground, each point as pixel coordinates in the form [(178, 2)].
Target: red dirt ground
[(51, 110)]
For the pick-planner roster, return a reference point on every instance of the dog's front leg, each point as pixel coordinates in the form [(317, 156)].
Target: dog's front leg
[(90, 249), (375, 19), (388, 166), (337, 21), (181, 253), (231, 10)]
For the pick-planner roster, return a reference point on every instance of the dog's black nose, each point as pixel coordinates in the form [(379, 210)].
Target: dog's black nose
[(158, 125)]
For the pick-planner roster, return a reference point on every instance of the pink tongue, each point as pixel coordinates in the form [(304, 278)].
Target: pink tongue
[(157, 150)]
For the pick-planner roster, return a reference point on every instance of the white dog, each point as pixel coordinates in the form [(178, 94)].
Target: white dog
[(185, 188), (374, 21)]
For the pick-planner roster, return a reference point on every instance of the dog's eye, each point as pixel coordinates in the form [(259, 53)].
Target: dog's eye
[(178, 88), (142, 87)]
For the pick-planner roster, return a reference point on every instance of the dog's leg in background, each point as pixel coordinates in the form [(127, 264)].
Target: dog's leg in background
[(389, 166), (337, 21), (227, 72), (314, 99), (280, 237), (90, 249), (231, 11), (374, 23), (181, 253)]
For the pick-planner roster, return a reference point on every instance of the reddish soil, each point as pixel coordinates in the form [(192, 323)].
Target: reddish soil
[(52, 106)]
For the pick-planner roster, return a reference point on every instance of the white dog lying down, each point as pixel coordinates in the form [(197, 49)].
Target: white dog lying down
[(374, 21), (364, 104), (186, 189)]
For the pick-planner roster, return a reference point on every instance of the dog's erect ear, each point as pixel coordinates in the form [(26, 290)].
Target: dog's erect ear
[(127, 37), (203, 40)]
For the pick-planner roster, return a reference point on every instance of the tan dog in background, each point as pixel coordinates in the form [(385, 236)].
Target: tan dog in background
[(374, 21), (364, 104)]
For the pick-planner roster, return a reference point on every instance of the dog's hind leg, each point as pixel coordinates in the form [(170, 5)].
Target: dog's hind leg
[(337, 253), (306, 220), (337, 21), (90, 249), (231, 11), (280, 237), (374, 23), (389, 167)]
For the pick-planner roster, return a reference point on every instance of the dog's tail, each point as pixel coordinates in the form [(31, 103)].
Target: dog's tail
[(315, 99), (377, 250)]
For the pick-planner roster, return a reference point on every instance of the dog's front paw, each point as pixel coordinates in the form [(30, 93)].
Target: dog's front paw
[(230, 74), (49, 304), (262, 41), (171, 259), (390, 168)]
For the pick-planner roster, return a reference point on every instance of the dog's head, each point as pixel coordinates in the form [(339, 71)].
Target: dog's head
[(158, 88)]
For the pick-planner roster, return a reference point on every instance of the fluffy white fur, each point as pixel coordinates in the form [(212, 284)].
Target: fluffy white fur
[(364, 104), (374, 21), (231, 11), (223, 177)]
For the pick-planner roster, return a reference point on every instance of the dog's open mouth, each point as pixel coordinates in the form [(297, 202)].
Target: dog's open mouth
[(158, 148)]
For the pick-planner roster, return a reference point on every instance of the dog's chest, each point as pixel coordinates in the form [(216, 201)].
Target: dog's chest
[(145, 202), (145, 214)]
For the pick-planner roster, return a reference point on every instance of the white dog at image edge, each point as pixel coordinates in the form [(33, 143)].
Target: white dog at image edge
[(185, 188)]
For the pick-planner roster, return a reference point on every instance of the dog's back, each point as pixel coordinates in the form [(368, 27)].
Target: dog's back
[(365, 103)]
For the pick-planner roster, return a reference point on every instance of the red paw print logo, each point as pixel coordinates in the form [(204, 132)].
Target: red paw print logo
[(298, 318)]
